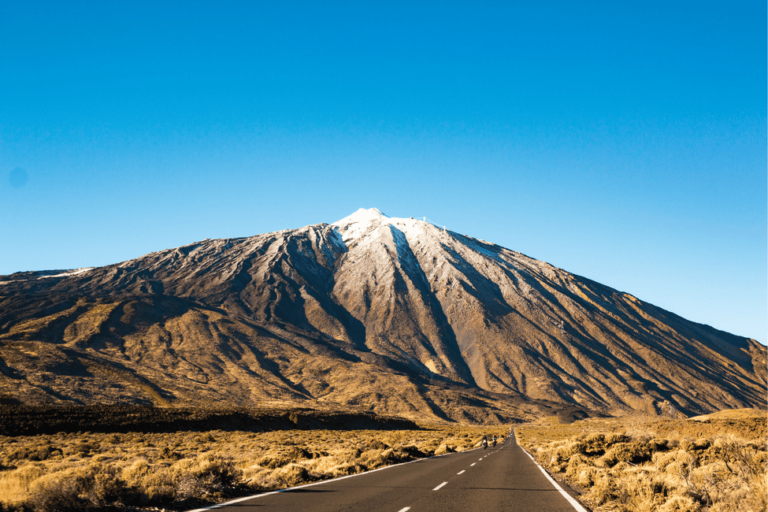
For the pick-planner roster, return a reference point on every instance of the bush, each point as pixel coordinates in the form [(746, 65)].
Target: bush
[(617, 437), (81, 449), (680, 504), (291, 475), (191, 486), (213, 476), (61, 496), (377, 445), (412, 451), (106, 487), (625, 452), (701, 444), (35, 453), (297, 453), (273, 462), (91, 488)]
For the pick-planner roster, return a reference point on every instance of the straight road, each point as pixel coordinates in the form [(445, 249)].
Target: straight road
[(501, 478)]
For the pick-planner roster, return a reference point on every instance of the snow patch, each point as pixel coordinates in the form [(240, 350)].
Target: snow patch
[(365, 221), (67, 274)]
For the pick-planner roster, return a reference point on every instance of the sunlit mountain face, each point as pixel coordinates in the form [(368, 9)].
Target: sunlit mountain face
[(392, 315)]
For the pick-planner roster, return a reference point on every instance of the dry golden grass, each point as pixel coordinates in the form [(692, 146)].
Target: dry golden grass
[(647, 464), (731, 414), (184, 469)]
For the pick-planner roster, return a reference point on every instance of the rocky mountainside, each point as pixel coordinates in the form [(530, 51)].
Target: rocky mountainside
[(391, 315)]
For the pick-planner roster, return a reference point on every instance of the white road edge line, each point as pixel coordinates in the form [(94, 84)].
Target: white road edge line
[(460, 472), (440, 486), (246, 498), (254, 496), (575, 504)]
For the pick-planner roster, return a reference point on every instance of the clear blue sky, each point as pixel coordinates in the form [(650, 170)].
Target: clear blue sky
[(622, 141)]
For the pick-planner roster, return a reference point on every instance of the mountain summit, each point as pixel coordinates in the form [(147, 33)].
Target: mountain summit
[(394, 315)]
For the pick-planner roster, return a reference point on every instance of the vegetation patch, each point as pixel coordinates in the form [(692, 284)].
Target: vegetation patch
[(717, 464), (188, 469)]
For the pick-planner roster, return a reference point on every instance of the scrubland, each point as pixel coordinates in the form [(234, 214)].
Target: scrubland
[(182, 470), (715, 463)]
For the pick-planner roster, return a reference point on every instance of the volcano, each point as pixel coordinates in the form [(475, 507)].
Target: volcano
[(392, 315)]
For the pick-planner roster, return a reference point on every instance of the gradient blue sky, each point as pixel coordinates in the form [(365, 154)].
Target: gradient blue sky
[(622, 141)]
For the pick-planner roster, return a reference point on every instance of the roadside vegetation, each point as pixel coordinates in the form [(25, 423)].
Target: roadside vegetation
[(713, 463), (182, 470)]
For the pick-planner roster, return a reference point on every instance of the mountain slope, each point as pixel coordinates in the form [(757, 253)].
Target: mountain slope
[(392, 315)]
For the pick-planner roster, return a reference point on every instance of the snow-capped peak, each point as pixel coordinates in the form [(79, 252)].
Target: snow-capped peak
[(367, 220), (363, 215), (359, 223)]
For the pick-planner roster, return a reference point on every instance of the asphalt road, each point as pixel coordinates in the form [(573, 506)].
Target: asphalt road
[(500, 478)]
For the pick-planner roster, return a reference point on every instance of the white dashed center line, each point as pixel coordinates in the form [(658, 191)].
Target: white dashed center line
[(406, 509), (460, 472), (473, 463), (440, 486)]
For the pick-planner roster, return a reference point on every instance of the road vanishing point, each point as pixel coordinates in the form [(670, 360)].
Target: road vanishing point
[(501, 478)]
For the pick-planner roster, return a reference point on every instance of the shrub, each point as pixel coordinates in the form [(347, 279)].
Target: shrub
[(106, 487), (297, 453), (136, 472), (680, 504), (410, 452), (616, 437), (57, 496), (291, 475), (91, 487), (191, 486), (701, 444), (81, 449), (215, 474), (576, 464), (273, 462), (377, 445), (625, 452)]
